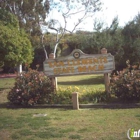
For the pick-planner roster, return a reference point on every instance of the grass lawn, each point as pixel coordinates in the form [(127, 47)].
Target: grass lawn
[(83, 82), (64, 123), (6, 83)]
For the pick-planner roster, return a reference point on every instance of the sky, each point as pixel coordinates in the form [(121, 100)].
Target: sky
[(126, 10)]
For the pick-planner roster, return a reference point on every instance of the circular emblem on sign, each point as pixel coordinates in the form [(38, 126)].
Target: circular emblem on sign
[(76, 55)]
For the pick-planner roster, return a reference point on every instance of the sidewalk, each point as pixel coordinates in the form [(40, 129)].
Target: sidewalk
[(4, 75)]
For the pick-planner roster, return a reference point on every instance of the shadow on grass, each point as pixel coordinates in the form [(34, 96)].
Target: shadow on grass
[(69, 106), (3, 105), (138, 116), (111, 106), (1, 89), (90, 81), (38, 106)]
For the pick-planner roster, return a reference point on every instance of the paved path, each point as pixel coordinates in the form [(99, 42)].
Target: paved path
[(7, 75)]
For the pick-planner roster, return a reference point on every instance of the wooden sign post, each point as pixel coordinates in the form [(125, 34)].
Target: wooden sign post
[(75, 100), (106, 75), (79, 63)]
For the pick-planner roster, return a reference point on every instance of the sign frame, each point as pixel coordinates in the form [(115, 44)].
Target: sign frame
[(79, 63)]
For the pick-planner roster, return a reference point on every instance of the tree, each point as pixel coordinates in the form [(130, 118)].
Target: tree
[(108, 37), (28, 12), (15, 47), (66, 10), (131, 34)]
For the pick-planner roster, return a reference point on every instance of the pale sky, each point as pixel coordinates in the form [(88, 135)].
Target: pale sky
[(126, 10)]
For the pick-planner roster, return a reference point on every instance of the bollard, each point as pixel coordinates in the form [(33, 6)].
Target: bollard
[(75, 101)]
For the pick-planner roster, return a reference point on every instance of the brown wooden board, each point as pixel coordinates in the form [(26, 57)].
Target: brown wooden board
[(79, 63)]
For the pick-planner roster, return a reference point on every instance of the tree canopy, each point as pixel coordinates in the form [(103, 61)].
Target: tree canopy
[(122, 42), (15, 47), (28, 12), (67, 10)]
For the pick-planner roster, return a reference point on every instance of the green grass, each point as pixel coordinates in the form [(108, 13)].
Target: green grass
[(6, 83), (82, 81), (67, 124), (63, 123)]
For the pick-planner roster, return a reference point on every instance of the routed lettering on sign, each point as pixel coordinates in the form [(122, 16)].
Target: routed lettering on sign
[(80, 64)]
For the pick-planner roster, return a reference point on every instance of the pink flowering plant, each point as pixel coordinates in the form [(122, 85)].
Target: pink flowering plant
[(126, 83), (31, 87)]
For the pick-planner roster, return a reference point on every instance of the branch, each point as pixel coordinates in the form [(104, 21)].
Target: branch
[(78, 10), (69, 31), (64, 29), (80, 20), (57, 40), (62, 34), (68, 14), (75, 12), (52, 28), (42, 37)]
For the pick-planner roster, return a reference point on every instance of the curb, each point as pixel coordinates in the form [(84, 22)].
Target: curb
[(81, 106)]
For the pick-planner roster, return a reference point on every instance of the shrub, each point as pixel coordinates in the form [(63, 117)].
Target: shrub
[(31, 88), (64, 96), (126, 83), (93, 96)]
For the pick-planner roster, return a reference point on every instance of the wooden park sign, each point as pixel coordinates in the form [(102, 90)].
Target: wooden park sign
[(79, 63)]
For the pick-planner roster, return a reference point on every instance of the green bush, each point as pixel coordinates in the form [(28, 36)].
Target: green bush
[(31, 88), (64, 96), (126, 83), (93, 96)]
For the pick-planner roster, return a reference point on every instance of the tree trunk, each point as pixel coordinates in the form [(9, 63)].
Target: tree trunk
[(19, 68), (55, 48)]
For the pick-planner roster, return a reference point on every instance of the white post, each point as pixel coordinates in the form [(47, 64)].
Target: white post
[(19, 68)]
